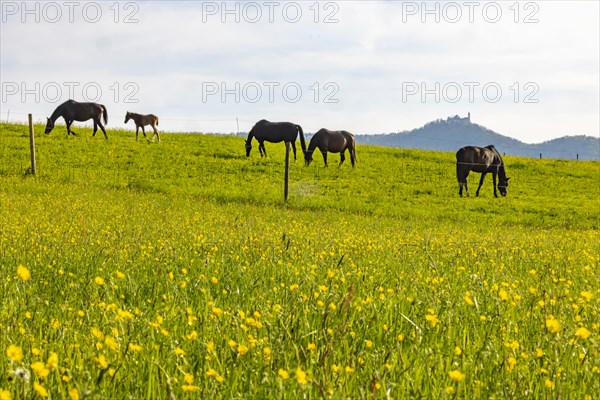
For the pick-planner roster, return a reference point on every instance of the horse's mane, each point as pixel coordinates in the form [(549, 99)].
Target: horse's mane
[(58, 111)]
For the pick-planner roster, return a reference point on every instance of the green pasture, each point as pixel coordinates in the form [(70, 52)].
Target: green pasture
[(176, 270)]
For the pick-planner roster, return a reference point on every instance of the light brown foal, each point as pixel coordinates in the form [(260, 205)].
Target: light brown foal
[(141, 121)]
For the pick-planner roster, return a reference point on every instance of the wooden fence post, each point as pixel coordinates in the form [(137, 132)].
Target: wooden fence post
[(287, 171), (32, 144)]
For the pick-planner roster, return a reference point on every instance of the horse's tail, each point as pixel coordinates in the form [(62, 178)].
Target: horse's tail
[(459, 167), (302, 141), (105, 114), (458, 171), (353, 150), (156, 121)]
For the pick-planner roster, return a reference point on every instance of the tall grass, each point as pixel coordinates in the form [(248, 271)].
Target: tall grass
[(177, 271)]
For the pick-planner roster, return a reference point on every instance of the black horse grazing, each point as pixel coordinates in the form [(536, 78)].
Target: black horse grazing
[(274, 132), (141, 121), (71, 111), (333, 142), (482, 160)]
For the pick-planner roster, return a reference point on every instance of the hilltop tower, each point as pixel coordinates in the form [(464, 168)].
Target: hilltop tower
[(469, 116)]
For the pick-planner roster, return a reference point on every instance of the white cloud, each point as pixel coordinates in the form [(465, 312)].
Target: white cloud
[(371, 53)]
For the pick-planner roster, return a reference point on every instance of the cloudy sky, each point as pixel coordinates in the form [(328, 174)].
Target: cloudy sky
[(528, 70)]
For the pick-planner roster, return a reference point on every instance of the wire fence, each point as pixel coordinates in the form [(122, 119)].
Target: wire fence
[(240, 127), (410, 176)]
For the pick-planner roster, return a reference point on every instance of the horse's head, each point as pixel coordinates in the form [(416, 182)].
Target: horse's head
[(503, 186), (49, 126), (248, 147), (308, 157), (127, 117)]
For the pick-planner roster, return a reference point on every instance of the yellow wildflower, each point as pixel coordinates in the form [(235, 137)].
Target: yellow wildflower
[(179, 352), (468, 299), (242, 350), (456, 375), (188, 378), (211, 373), (583, 333), (40, 369), (14, 353), (190, 388), (503, 294), (301, 376), (40, 390), (192, 335), (511, 363), (111, 342), (52, 362), (552, 324), (283, 374), (587, 295), (74, 394), (539, 353), (432, 319), (102, 362), (23, 273), (135, 347)]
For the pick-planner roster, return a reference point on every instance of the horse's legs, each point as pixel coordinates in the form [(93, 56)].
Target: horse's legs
[(262, 149), (102, 127), (95, 128), (342, 157), (324, 157), (69, 131), (155, 133), (480, 183), (494, 181), (462, 175), (144, 132), (294, 149), (137, 132)]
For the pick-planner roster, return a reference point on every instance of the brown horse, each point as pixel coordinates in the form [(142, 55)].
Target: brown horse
[(482, 160), (71, 111), (274, 132), (141, 121), (333, 142)]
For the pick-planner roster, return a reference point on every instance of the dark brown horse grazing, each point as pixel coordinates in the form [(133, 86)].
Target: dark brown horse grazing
[(333, 142), (483, 160), (274, 132), (71, 111), (141, 121)]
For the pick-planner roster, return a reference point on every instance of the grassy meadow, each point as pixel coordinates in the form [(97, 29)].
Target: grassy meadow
[(177, 271)]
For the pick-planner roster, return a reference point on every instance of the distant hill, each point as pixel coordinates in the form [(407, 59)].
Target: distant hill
[(454, 132)]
